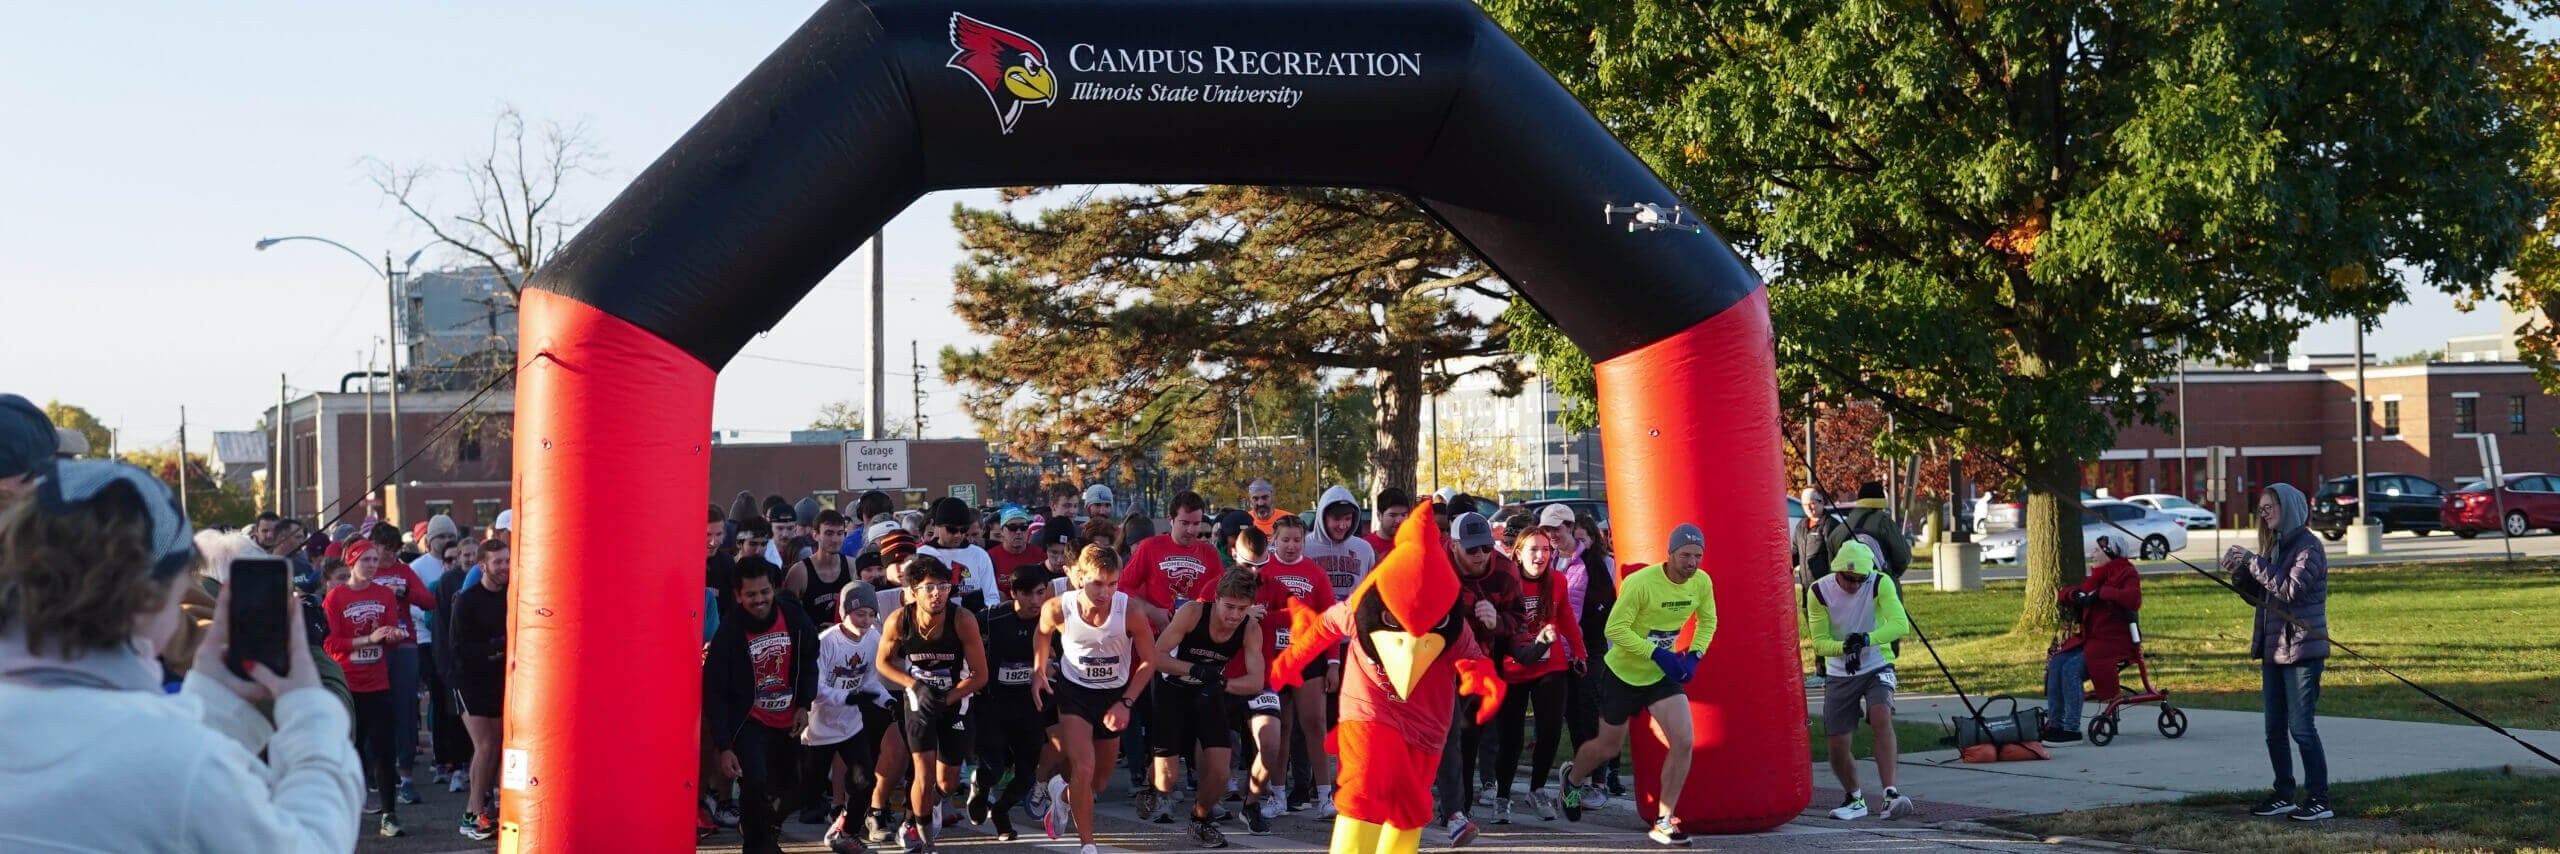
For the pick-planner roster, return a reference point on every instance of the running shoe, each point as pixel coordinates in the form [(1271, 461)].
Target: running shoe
[(1896, 804), (1205, 833), (1037, 802), (1054, 819), (1324, 802), (1004, 825), (876, 826), (453, 784), (978, 806), (1501, 811), (1153, 806), (390, 826), (2273, 805), (476, 828), (1592, 797), (1484, 797), (1544, 803), (1666, 830), (1235, 786), (1272, 805), (2313, 809), (372, 802), (1572, 802), (1256, 822), (910, 836), (1460, 831), (408, 793), (1852, 807), (440, 775), (1088, 850), (840, 838), (726, 815)]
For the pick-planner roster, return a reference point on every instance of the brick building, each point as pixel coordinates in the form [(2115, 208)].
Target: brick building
[(2296, 426)]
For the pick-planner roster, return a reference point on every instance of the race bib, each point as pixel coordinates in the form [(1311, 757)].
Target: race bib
[(939, 681), (774, 703), (365, 655), (1013, 674), (1662, 639), (847, 683), (1280, 638), (1264, 702), (1099, 669)]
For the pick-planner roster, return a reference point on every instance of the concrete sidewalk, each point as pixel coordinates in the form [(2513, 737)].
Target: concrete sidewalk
[(2221, 751)]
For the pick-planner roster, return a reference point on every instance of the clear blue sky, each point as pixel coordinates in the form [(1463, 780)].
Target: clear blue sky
[(149, 148)]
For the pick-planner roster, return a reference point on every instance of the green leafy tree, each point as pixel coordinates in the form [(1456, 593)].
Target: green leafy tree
[(847, 415), (1133, 324), (1995, 219), (209, 502), (79, 421), (2528, 76)]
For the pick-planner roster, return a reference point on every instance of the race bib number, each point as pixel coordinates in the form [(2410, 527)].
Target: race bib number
[(774, 703), (846, 683), (1099, 669), (365, 655), (1264, 702), (940, 682), (1280, 638), (1664, 640), (1013, 674)]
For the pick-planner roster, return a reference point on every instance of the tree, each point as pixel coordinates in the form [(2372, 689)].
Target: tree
[(79, 421), (2418, 358), (2528, 76), (508, 219), (2001, 220), (847, 415), (209, 502), (1136, 322), (1480, 463)]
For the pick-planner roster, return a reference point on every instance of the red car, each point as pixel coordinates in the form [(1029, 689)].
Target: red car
[(2529, 500)]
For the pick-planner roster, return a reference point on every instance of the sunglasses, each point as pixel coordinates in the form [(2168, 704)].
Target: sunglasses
[(934, 587), (1480, 550), (1022, 527)]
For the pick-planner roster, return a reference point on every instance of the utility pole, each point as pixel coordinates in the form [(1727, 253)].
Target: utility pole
[(276, 474), (876, 421), (2186, 484), (182, 458), (391, 362), (1810, 478), (2360, 539), (918, 378), (368, 425)]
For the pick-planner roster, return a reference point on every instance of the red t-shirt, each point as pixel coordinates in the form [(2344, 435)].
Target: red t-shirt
[(356, 613), (769, 654), (1165, 574), (1303, 581), (1381, 545), (405, 587), (1007, 559)]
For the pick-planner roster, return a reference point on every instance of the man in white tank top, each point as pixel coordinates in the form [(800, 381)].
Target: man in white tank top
[(1095, 683)]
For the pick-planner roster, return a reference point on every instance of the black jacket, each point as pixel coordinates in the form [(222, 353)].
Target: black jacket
[(447, 589), (1870, 517), (728, 677)]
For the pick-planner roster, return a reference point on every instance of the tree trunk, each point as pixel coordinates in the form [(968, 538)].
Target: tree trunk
[(2053, 551), (1392, 462)]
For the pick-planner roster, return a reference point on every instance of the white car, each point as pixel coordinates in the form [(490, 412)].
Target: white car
[(2197, 518), (2158, 534)]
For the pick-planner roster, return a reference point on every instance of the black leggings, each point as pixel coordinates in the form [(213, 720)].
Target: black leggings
[(1546, 694), (860, 753), (374, 722), (1010, 738)]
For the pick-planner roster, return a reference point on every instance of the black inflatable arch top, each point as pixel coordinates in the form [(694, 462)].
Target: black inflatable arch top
[(870, 105)]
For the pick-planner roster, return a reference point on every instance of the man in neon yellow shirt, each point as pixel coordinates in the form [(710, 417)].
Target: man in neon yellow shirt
[(1862, 616), (1645, 672)]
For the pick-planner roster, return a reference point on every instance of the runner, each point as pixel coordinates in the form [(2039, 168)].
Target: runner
[(1489, 596), (758, 676), (973, 571), (1862, 616), (364, 624), (1097, 503), (1346, 558), (1289, 575), (1645, 673), (1590, 577), (1010, 727), (1192, 661), (936, 656), (847, 716), (404, 666), (1100, 672), (786, 525), (1550, 644), (1392, 504), (1258, 505), (1166, 568), (1013, 546), (818, 578), (477, 643)]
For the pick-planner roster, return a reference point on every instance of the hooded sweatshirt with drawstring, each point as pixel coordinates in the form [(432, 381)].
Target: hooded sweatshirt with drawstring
[(2294, 580), (1345, 561)]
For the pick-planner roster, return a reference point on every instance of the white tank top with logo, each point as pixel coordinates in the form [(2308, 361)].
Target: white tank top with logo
[(1096, 656)]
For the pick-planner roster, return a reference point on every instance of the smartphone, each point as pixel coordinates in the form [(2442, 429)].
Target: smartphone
[(261, 601)]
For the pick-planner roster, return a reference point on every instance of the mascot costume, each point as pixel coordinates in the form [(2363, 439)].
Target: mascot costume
[(1411, 657)]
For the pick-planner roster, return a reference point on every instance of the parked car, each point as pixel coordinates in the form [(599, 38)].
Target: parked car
[(2529, 500), (2159, 533), (2196, 518), (1596, 508), (1991, 516), (2393, 501)]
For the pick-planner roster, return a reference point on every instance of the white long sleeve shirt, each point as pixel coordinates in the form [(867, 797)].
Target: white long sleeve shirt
[(182, 772), (845, 665)]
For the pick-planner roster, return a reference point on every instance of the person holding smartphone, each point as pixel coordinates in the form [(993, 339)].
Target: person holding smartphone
[(364, 625), (92, 562)]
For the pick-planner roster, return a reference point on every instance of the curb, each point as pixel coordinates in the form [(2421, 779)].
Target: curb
[(2077, 841)]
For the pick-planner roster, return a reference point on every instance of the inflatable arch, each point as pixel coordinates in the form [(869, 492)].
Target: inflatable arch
[(871, 104)]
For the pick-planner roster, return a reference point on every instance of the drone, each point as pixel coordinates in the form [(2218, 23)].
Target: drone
[(1647, 216)]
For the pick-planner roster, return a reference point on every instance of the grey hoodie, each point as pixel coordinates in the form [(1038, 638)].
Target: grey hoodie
[(1345, 561)]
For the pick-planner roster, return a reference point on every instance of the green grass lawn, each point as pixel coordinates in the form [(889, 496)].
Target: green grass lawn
[(2479, 633), (2452, 811), (1909, 737)]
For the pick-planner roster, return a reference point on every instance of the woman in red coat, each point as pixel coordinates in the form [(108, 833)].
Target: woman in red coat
[(2105, 603)]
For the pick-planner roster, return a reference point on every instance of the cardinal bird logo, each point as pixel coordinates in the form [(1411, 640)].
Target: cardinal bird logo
[(1009, 66)]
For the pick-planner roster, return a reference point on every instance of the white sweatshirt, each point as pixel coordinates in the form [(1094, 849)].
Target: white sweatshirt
[(844, 665), (182, 772)]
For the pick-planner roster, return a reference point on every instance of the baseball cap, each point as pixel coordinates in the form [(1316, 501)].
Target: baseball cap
[(1471, 530), (72, 485), (1555, 516), (1012, 515), (506, 520), (880, 529), (1097, 494), (781, 513), (27, 438)]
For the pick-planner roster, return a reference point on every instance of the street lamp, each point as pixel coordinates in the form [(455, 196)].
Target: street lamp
[(390, 322)]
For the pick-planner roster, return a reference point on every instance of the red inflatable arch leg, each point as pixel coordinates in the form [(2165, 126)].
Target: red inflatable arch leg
[(1689, 433), (611, 460)]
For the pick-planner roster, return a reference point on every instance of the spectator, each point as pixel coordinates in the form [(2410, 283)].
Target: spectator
[(2100, 612), (27, 443), (1260, 509), (90, 574), (1870, 516), (2287, 579), (1346, 558)]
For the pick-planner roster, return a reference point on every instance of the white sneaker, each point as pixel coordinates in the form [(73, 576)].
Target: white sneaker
[(1324, 802), (1594, 797), (1275, 804), (1851, 808), (1088, 850), (1545, 803), (1896, 805)]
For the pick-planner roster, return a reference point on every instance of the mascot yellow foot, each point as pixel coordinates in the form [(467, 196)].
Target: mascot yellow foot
[(1353, 836)]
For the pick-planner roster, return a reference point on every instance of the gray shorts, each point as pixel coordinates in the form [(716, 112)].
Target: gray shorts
[(1845, 699)]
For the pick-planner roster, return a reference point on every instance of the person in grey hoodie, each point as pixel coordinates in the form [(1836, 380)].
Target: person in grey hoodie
[(2288, 576), (1334, 544)]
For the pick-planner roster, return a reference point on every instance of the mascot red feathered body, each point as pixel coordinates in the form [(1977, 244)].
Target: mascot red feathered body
[(1411, 656)]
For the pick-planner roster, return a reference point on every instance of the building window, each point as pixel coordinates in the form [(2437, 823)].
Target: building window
[(2515, 414), (2391, 418), (484, 512), (2466, 415), (439, 508), (467, 444)]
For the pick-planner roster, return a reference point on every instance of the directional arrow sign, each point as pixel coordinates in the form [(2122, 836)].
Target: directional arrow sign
[(875, 465)]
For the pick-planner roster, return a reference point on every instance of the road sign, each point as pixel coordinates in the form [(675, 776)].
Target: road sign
[(2492, 469), (966, 492), (875, 465), (2217, 472)]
